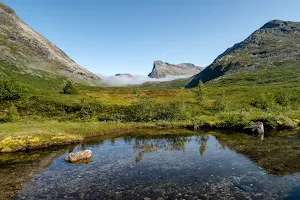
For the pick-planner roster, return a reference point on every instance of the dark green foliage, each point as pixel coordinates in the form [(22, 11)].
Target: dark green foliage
[(142, 110), (10, 90), (70, 88)]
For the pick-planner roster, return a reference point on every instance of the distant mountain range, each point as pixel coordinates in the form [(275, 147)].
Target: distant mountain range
[(162, 69), (275, 46), (29, 57), (24, 51)]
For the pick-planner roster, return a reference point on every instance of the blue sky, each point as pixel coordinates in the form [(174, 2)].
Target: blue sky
[(126, 36)]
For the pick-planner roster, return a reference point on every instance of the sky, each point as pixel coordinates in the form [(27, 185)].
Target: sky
[(126, 36)]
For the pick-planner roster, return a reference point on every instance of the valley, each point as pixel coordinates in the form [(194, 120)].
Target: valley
[(159, 129)]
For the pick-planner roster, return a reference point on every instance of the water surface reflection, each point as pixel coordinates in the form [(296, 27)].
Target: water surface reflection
[(174, 167)]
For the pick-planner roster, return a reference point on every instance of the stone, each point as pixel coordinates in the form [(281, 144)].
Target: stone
[(256, 129), (79, 157)]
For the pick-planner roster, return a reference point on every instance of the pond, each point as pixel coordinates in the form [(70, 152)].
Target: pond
[(184, 166)]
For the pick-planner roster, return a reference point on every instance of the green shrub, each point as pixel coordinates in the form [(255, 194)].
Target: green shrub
[(142, 110), (175, 110), (199, 92), (237, 119), (13, 114), (70, 88), (264, 101), (146, 110), (220, 103), (283, 98), (10, 90)]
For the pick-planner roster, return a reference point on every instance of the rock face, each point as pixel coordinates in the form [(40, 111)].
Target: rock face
[(276, 44), (29, 51), (162, 69), (79, 157), (256, 129), (124, 75)]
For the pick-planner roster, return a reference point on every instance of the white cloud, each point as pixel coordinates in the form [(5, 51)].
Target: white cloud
[(135, 79)]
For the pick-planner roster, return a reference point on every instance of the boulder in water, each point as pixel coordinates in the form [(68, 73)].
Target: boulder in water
[(78, 157), (255, 129)]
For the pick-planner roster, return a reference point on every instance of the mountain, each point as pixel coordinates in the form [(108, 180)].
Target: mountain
[(275, 47), (124, 75), (163, 69), (23, 51)]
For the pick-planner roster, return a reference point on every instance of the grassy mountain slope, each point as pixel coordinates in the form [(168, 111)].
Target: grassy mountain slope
[(271, 54), (173, 84), (27, 55)]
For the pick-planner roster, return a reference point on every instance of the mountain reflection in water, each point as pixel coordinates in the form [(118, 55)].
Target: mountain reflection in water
[(181, 166)]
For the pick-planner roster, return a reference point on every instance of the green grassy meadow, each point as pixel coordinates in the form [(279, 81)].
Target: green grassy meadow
[(36, 115)]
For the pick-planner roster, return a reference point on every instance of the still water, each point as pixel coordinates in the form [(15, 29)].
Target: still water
[(169, 167)]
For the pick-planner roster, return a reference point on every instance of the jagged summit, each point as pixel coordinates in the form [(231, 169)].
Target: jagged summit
[(162, 69)]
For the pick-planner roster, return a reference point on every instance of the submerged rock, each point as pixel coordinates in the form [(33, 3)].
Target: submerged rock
[(79, 157), (256, 129)]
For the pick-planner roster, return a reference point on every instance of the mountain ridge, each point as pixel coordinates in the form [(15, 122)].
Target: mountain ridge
[(27, 51), (274, 44)]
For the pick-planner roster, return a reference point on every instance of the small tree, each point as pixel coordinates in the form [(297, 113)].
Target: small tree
[(199, 92), (70, 88), (220, 103)]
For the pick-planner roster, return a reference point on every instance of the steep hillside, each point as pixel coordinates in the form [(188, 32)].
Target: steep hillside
[(162, 69), (24, 52), (273, 50)]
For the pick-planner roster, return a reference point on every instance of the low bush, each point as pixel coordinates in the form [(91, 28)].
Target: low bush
[(283, 98), (10, 90), (70, 88), (264, 101), (146, 110), (220, 104), (235, 119), (13, 115)]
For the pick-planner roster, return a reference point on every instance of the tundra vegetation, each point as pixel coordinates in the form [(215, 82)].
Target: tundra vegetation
[(37, 115)]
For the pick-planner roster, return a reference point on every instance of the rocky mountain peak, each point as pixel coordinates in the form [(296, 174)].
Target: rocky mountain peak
[(162, 69)]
